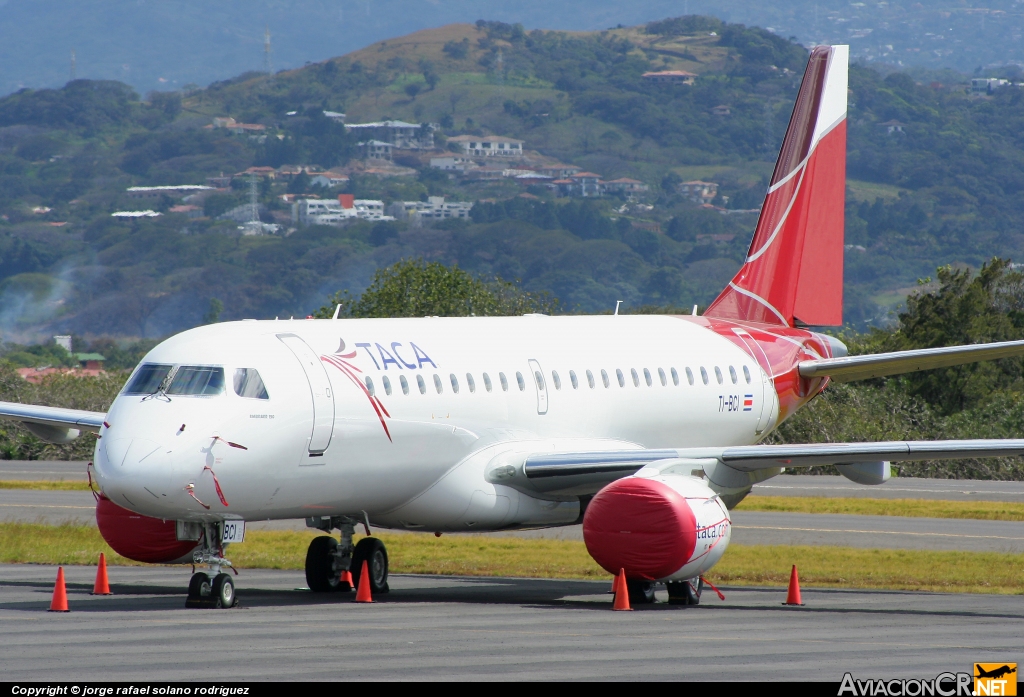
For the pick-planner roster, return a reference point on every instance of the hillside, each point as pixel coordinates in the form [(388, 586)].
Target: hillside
[(159, 46), (939, 189)]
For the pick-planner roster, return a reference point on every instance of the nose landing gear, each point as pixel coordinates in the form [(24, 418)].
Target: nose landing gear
[(327, 559), (202, 591)]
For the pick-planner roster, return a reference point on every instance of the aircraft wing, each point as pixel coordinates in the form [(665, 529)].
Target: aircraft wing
[(586, 472), (850, 368), (52, 416)]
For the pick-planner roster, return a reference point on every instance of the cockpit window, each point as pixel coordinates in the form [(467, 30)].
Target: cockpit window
[(148, 379), (197, 380), (249, 384)]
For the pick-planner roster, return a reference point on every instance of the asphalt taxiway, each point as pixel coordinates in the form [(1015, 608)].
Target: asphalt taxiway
[(484, 629), (749, 527)]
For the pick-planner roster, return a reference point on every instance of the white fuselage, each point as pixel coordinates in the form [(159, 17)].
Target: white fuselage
[(414, 453)]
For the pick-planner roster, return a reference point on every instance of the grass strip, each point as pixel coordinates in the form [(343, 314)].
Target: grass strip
[(908, 508), (479, 555), (44, 485)]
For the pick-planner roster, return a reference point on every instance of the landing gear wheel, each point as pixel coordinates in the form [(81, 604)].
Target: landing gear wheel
[(372, 551), (200, 591), (685, 592), (320, 574), (640, 592), (223, 591)]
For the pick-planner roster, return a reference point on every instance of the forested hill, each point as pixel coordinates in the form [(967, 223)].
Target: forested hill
[(935, 176)]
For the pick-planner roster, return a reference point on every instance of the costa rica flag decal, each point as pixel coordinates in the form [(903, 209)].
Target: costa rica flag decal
[(748, 402)]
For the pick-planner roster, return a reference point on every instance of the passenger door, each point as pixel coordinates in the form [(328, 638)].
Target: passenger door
[(541, 384), (767, 387), (320, 392)]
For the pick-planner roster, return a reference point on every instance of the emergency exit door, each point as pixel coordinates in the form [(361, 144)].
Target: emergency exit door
[(540, 383), (319, 389)]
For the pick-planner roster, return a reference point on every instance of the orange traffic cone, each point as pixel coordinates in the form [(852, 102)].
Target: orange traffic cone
[(363, 594), (102, 586), (793, 597), (60, 593), (346, 580), (621, 592)]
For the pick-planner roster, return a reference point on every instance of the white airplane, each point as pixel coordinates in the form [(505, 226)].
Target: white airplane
[(643, 428)]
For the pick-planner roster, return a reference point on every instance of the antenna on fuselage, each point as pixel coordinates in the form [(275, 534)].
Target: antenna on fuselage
[(336, 311), (617, 303), (694, 310)]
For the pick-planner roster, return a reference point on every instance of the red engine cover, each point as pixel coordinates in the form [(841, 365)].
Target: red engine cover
[(642, 526), (139, 537)]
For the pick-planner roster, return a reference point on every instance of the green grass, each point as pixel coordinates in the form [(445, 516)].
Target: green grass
[(45, 485), (909, 508), (479, 555), (869, 191)]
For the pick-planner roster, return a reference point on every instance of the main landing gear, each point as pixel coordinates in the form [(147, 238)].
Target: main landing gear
[(327, 559), (204, 592), (685, 592)]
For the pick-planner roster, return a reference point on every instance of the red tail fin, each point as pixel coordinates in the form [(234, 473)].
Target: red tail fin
[(793, 273)]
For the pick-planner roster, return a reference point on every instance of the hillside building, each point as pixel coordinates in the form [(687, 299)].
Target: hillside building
[(698, 191), (434, 208), (402, 135), (669, 77), (488, 146), (340, 211), (376, 150), (452, 163)]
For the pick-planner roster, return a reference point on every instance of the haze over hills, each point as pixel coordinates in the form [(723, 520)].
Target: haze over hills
[(935, 176), (158, 45)]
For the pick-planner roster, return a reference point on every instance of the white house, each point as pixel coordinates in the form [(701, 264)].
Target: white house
[(489, 146), (452, 164), (376, 150), (434, 208), (329, 179), (411, 136)]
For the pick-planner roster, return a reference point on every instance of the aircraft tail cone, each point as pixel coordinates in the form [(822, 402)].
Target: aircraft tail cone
[(102, 585), (621, 592), (363, 594), (793, 597), (346, 581), (60, 593)]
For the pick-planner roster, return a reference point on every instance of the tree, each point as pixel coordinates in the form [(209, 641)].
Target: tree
[(965, 309), (416, 288), (212, 315), (413, 89)]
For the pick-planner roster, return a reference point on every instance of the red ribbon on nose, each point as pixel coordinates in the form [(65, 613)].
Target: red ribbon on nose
[(216, 485)]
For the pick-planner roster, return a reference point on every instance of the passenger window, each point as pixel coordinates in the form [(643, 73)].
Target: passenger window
[(148, 379), (622, 380), (746, 374), (471, 382), (387, 385), (455, 383), (197, 381), (504, 382), (604, 378), (521, 381), (405, 384), (369, 385), (689, 376), (590, 379), (248, 384), (421, 384), (647, 377), (487, 382), (539, 378), (718, 375), (732, 375), (555, 379), (437, 383), (675, 378), (572, 379), (664, 381), (704, 375)]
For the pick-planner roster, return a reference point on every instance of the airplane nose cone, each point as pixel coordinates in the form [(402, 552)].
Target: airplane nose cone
[(135, 471)]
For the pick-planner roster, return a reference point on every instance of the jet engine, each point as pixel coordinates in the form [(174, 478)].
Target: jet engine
[(663, 527), (140, 537)]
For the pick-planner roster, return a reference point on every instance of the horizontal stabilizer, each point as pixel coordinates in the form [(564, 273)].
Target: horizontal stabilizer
[(850, 368), (52, 416)]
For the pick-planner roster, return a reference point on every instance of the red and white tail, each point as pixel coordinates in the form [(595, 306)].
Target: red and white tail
[(793, 273)]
